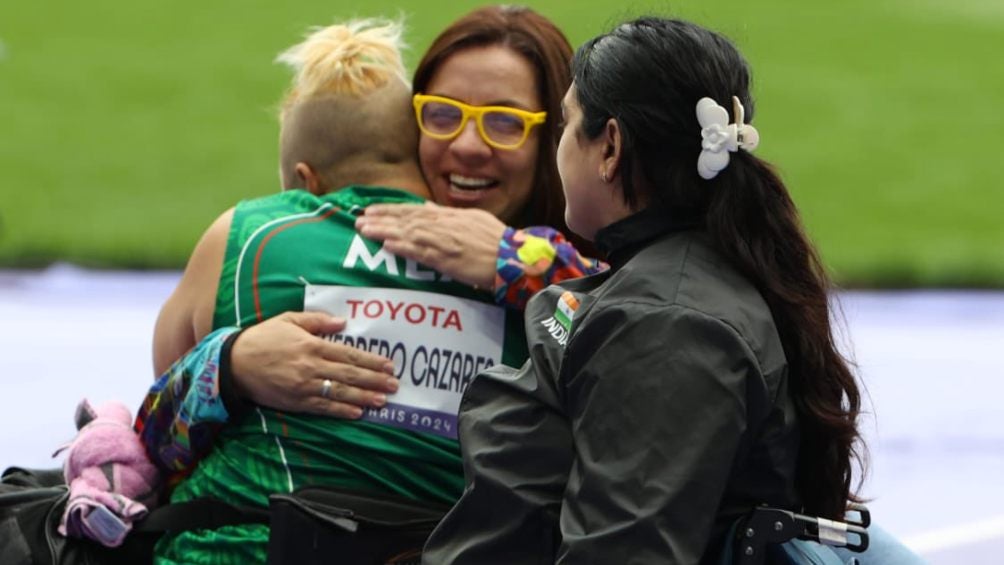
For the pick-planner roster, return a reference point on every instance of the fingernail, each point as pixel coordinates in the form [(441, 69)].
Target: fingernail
[(380, 399), (356, 413), (392, 384), (388, 367)]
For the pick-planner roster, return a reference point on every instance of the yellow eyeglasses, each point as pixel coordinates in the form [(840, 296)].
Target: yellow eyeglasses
[(501, 127)]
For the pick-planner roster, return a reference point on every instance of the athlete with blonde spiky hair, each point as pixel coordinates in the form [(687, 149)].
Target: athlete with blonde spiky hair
[(347, 136), (347, 117)]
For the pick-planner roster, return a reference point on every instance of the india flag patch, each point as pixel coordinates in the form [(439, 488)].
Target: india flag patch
[(565, 312)]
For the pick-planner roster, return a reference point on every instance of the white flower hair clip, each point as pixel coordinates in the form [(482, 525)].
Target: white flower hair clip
[(719, 137)]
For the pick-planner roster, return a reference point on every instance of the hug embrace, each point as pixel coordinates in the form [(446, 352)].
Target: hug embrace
[(649, 327)]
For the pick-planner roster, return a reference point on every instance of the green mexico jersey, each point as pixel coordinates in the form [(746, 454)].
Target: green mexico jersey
[(296, 251)]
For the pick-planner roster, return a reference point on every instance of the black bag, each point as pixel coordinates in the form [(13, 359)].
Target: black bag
[(26, 498), (325, 525), (312, 525), (317, 525), (31, 506)]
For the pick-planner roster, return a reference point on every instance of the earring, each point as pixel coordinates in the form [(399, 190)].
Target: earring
[(604, 176)]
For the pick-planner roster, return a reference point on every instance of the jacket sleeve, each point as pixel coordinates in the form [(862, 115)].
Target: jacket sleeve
[(184, 409), (516, 449), (532, 258), (656, 400)]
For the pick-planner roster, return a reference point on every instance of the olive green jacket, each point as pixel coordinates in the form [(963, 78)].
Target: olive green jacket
[(652, 413)]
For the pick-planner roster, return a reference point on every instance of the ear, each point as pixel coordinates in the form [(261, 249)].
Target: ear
[(308, 178), (611, 150), (85, 414)]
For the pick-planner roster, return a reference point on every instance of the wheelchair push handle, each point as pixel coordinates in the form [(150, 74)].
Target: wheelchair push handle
[(767, 525)]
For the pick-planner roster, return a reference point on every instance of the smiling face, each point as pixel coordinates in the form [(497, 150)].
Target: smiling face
[(465, 171)]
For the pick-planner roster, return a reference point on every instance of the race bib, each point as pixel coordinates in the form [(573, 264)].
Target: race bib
[(438, 344)]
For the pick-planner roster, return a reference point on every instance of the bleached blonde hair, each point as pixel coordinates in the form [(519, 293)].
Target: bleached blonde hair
[(352, 58), (348, 113)]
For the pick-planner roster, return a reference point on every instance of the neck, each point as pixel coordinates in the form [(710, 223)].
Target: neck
[(405, 176)]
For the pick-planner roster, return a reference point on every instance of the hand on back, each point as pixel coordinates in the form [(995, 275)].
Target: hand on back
[(283, 363), (460, 242)]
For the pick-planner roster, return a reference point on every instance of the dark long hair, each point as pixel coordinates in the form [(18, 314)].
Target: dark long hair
[(648, 74), (547, 49)]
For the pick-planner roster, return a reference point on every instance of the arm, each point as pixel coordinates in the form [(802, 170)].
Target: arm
[(517, 448), (280, 363), (533, 258), (656, 423), (184, 409), (476, 248), (187, 315)]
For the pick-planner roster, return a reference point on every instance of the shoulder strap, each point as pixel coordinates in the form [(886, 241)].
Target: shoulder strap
[(201, 513)]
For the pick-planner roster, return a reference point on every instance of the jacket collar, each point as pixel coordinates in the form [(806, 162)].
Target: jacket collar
[(622, 239)]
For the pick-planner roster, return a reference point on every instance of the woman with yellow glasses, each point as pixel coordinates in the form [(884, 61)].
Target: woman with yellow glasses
[(488, 103)]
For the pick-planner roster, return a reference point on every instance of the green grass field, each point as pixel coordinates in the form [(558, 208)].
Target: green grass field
[(126, 127)]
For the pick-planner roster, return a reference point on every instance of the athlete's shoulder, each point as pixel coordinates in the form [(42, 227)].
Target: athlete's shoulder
[(287, 199), (254, 212), (360, 196)]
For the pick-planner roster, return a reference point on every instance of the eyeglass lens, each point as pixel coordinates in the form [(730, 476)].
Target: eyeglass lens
[(445, 119)]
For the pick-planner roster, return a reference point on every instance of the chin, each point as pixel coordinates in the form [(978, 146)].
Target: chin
[(494, 208)]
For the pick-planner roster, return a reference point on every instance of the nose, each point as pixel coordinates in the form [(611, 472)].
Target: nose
[(468, 143)]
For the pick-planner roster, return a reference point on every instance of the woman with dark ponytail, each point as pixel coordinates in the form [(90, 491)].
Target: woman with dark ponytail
[(699, 377), (744, 209)]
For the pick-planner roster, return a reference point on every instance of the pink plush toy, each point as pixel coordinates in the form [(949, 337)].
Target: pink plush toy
[(112, 481)]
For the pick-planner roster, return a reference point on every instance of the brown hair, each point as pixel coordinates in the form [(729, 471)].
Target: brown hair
[(548, 51)]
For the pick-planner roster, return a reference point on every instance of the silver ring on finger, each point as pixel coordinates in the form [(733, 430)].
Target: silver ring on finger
[(326, 388)]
